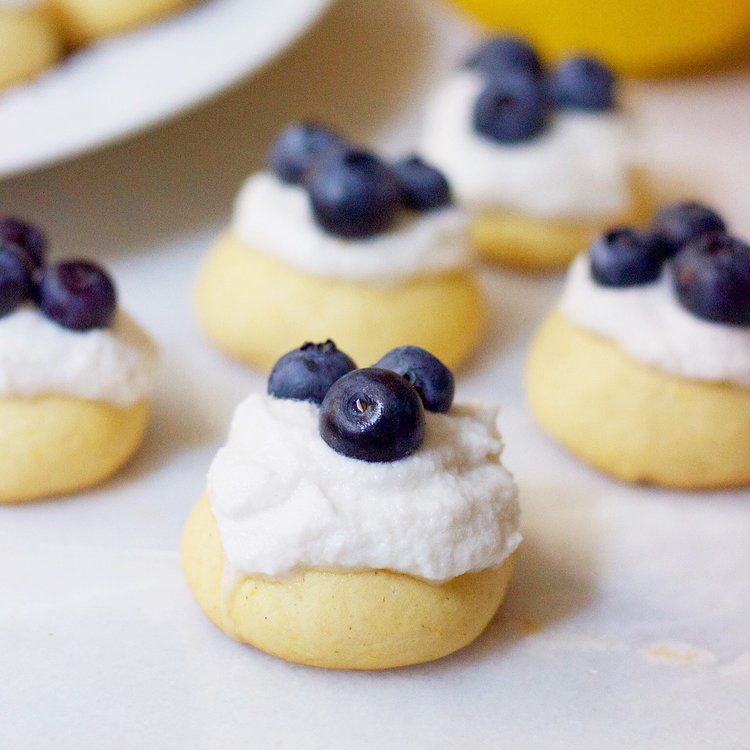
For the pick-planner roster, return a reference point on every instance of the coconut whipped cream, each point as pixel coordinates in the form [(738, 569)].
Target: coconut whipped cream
[(39, 357), (276, 219), (648, 323), (284, 500), (576, 168)]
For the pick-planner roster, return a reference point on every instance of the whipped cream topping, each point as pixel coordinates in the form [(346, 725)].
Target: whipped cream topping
[(276, 219), (284, 500), (648, 323), (39, 357), (576, 168)]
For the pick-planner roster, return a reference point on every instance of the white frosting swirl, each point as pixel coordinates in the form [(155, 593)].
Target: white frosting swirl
[(284, 500), (276, 219), (649, 324), (576, 168), (39, 357)]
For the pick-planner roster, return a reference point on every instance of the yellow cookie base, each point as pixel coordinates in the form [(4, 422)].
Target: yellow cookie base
[(53, 445), (29, 43), (637, 37), (373, 619), (256, 308), (85, 21), (527, 243), (633, 421)]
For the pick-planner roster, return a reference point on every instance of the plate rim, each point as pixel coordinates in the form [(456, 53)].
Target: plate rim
[(314, 10)]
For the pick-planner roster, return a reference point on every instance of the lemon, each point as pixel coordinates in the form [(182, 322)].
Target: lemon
[(636, 37)]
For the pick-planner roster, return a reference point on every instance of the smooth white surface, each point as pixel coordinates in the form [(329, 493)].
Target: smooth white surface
[(578, 166), (122, 85), (277, 219), (648, 323), (39, 357), (103, 646), (285, 500)]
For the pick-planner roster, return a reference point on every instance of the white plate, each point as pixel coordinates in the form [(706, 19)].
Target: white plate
[(128, 83)]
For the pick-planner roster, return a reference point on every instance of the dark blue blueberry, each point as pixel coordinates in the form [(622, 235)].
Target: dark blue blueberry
[(510, 108), (306, 374), (26, 236), (505, 54), (297, 149), (712, 278), (680, 223), (354, 194), (77, 295), (373, 415), (582, 83), (16, 277), (424, 187), (432, 379), (626, 257)]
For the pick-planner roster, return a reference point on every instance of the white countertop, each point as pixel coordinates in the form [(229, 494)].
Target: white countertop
[(628, 622)]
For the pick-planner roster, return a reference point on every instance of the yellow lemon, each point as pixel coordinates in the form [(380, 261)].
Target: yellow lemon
[(637, 37)]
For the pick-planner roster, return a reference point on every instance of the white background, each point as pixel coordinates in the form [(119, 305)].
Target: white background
[(628, 622)]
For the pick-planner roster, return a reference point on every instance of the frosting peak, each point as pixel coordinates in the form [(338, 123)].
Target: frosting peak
[(39, 357), (577, 167), (284, 500), (275, 218), (648, 323)]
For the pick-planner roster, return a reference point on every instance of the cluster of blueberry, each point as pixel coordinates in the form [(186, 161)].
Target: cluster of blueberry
[(711, 268), (352, 192), (76, 294), (375, 414), (518, 95)]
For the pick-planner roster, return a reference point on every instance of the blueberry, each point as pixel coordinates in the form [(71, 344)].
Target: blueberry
[(374, 415), (16, 277), (510, 108), (432, 379), (712, 278), (354, 194), (298, 147), (26, 236), (681, 222), (503, 54), (77, 295), (582, 83), (626, 257), (306, 374), (424, 187)]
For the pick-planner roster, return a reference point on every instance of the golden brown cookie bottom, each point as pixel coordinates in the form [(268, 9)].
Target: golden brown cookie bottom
[(256, 309), (531, 244), (633, 421), (85, 21), (29, 44), (373, 619), (53, 445)]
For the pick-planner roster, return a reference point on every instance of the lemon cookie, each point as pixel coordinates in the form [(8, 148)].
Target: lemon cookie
[(538, 159), (331, 241), (29, 41), (75, 372), (85, 21), (643, 369), (355, 519)]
